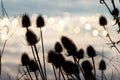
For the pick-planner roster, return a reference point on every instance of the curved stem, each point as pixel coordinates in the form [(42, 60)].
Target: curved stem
[(29, 72)]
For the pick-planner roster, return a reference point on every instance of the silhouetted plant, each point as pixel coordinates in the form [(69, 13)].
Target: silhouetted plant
[(40, 23), (25, 62), (25, 59), (26, 21), (80, 54), (58, 47), (91, 53), (87, 67), (31, 37), (71, 68), (102, 67), (69, 46), (57, 60), (33, 67)]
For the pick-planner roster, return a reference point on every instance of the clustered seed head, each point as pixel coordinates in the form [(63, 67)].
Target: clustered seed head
[(102, 21), (69, 46), (80, 54), (58, 47), (40, 21), (25, 59), (91, 51), (86, 66), (115, 12), (33, 66), (31, 37), (56, 59), (25, 21), (70, 68), (102, 65)]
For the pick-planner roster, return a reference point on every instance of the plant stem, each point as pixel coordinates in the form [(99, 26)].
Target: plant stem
[(62, 74), (36, 76), (42, 76), (39, 61), (94, 66), (29, 72), (43, 52), (54, 71)]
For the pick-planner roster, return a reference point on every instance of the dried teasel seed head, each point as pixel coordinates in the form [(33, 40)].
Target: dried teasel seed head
[(115, 12), (69, 46), (70, 68), (80, 54), (31, 37), (91, 51), (58, 47), (102, 21), (33, 66), (56, 59), (40, 21), (25, 59), (102, 65), (86, 66), (25, 21)]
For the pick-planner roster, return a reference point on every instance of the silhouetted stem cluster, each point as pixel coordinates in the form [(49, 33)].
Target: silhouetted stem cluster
[(71, 69)]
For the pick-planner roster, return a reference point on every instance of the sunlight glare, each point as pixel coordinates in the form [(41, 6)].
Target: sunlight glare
[(88, 26), (104, 33), (4, 36), (95, 32)]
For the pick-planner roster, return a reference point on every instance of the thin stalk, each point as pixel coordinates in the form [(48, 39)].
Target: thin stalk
[(59, 74), (102, 74), (113, 3), (103, 2), (29, 72), (112, 41), (43, 53), (39, 61), (42, 76), (81, 69), (62, 74), (54, 72), (94, 66), (72, 77), (36, 76)]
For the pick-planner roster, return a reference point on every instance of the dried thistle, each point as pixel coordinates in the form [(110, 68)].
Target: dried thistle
[(25, 21)]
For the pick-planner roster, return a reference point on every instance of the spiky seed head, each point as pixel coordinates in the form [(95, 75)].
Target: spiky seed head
[(58, 47), (31, 37), (40, 21), (86, 66), (69, 46), (25, 21), (33, 66), (70, 68), (91, 51), (80, 54), (56, 59), (25, 59), (102, 65), (115, 12), (51, 56), (102, 21)]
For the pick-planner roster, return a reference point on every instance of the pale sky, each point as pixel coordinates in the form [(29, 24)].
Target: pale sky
[(54, 7)]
